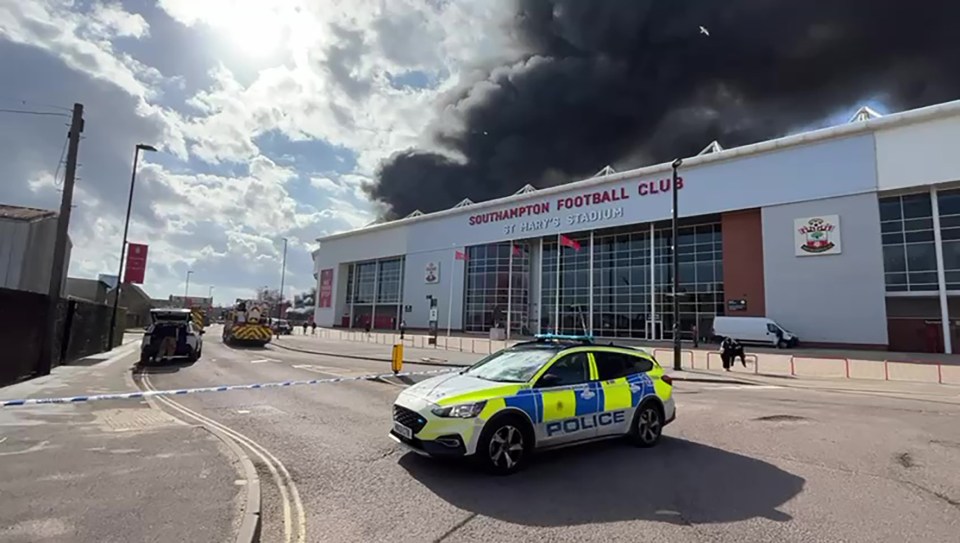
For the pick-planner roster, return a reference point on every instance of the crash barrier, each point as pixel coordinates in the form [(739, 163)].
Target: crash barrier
[(670, 356), (203, 390), (750, 358), (82, 329)]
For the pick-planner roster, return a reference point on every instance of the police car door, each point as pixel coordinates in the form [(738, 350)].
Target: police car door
[(570, 403), (621, 376)]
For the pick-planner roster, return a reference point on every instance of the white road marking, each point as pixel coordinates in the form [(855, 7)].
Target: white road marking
[(243, 411), (262, 360), (285, 484)]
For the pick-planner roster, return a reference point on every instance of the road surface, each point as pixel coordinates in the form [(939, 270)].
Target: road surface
[(740, 464)]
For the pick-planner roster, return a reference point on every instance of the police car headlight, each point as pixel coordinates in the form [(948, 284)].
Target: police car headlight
[(462, 411)]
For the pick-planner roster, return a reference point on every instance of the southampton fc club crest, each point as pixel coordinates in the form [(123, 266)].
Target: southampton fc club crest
[(817, 236)]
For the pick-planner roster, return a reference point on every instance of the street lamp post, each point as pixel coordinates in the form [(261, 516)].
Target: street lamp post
[(676, 271), (283, 276), (123, 246), (186, 288)]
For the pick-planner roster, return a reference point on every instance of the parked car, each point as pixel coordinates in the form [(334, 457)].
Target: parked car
[(171, 335), (754, 330)]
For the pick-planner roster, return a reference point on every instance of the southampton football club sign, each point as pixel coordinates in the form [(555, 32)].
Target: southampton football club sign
[(814, 236)]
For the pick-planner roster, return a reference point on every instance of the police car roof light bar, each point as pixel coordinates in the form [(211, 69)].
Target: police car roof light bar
[(562, 337)]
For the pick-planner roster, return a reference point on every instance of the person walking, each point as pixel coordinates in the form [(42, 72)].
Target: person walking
[(304, 327), (313, 327), (403, 327)]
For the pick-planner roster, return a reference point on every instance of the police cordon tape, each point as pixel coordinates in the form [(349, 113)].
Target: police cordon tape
[(201, 390)]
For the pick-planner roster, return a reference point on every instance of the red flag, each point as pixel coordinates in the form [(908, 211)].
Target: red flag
[(516, 250), (460, 255), (136, 263), (567, 242)]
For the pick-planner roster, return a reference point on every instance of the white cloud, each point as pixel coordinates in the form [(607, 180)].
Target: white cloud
[(212, 201), (83, 41)]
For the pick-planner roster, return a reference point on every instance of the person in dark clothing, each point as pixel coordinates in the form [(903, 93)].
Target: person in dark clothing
[(304, 327), (730, 350), (313, 328), (403, 327)]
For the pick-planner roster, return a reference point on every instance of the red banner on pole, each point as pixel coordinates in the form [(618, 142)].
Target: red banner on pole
[(326, 288), (136, 263)]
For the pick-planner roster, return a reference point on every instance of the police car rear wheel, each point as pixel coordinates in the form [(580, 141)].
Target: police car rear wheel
[(504, 447), (648, 426)]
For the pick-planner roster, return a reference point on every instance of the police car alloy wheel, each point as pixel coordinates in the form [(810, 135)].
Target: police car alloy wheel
[(503, 447), (648, 426)]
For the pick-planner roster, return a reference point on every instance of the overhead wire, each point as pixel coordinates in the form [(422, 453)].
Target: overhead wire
[(33, 112), (31, 103)]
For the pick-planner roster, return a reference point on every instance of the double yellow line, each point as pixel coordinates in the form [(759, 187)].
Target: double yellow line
[(289, 496)]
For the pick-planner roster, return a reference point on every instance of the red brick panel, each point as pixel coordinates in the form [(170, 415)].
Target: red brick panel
[(743, 262)]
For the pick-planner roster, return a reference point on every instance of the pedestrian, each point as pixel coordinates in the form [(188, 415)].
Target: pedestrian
[(403, 327), (313, 327), (730, 350), (304, 327)]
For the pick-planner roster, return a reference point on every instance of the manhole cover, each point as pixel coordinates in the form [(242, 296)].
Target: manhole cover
[(120, 420), (780, 418)]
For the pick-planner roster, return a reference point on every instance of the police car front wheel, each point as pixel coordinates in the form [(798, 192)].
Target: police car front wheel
[(503, 446), (647, 426)]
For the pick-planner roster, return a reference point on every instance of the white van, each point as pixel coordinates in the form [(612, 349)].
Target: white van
[(756, 330)]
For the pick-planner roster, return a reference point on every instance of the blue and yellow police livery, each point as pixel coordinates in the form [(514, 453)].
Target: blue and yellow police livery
[(552, 392)]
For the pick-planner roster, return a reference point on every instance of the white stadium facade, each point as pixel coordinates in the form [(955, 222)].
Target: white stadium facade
[(846, 236)]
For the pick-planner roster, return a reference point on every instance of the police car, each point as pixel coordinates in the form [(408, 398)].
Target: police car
[(551, 392)]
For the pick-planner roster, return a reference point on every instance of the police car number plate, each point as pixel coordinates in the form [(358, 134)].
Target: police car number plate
[(402, 430)]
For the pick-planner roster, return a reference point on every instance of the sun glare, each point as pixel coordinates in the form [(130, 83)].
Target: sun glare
[(255, 29)]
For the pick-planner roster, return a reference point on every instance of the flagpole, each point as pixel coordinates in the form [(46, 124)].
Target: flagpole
[(556, 301), (510, 288), (453, 264)]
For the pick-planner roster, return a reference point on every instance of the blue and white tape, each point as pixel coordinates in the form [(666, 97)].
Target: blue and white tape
[(201, 390)]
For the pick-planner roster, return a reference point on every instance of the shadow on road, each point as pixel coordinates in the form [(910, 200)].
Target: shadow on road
[(238, 347), (161, 367), (679, 482)]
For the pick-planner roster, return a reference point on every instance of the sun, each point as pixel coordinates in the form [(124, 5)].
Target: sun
[(254, 29)]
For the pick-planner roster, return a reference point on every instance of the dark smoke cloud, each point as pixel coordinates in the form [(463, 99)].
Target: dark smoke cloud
[(632, 82)]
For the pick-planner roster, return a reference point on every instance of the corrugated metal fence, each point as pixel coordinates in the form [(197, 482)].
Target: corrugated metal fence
[(82, 330)]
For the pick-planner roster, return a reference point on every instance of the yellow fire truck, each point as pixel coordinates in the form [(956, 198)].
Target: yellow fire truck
[(246, 324)]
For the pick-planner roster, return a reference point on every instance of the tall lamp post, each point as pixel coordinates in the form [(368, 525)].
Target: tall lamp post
[(126, 228), (186, 288), (676, 272), (283, 276)]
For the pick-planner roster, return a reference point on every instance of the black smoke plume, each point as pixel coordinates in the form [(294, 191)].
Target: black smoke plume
[(634, 82)]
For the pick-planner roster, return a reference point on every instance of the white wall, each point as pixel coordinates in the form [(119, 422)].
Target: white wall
[(830, 298), (919, 154), (13, 248)]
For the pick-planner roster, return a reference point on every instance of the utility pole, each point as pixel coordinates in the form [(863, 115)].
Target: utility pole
[(283, 276), (45, 364), (676, 271)]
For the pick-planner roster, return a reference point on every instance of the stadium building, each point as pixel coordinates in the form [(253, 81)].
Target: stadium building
[(846, 236)]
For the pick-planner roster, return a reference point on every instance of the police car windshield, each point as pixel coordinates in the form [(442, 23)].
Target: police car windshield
[(512, 365)]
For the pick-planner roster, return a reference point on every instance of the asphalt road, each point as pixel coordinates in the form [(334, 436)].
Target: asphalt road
[(740, 464)]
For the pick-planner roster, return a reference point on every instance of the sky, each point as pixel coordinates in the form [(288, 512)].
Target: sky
[(268, 116)]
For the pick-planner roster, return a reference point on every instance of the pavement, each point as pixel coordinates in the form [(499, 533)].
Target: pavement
[(439, 356), (795, 363), (744, 462), (110, 471)]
